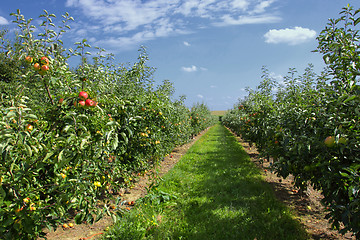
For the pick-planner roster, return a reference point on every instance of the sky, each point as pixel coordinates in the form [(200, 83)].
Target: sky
[(211, 50)]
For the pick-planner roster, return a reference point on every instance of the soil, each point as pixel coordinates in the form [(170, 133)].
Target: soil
[(306, 206)]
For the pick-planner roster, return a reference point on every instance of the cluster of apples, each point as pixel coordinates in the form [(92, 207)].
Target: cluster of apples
[(41, 65), (84, 100)]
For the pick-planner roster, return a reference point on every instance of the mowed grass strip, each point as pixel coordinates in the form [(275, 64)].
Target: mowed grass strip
[(214, 192)]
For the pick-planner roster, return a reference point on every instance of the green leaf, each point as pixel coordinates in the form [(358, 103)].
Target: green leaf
[(11, 114), (48, 155), (356, 22), (60, 156), (109, 134), (28, 150), (124, 137), (32, 116), (350, 98), (2, 195)]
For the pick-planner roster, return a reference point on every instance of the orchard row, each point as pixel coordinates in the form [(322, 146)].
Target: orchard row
[(309, 126), (70, 140)]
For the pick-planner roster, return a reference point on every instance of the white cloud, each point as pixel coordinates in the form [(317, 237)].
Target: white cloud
[(261, 7), (200, 96), (3, 21), (278, 77), (133, 22), (241, 20), (187, 44), (193, 68), (289, 36), (190, 69), (241, 4)]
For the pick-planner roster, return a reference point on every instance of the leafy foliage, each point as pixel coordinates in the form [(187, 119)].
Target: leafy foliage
[(70, 139), (309, 126)]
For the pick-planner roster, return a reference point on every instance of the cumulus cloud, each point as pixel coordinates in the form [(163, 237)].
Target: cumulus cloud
[(291, 36), (3, 21), (137, 21), (193, 68)]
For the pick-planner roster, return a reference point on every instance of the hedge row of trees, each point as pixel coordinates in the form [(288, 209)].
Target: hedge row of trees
[(70, 139), (310, 124)]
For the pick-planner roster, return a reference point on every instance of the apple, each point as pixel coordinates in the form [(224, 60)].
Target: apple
[(29, 59), (83, 95), (44, 60), (65, 226), (81, 103), (44, 69), (29, 127), (83, 79), (37, 66), (89, 103), (329, 141), (61, 100)]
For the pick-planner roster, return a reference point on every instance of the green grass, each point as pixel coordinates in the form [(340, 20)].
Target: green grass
[(214, 192)]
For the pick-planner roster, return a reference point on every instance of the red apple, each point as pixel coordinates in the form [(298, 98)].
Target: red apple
[(37, 66), (89, 103), (29, 59), (45, 68), (61, 100), (44, 60), (81, 103), (83, 95)]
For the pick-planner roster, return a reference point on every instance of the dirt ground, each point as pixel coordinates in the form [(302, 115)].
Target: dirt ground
[(305, 206)]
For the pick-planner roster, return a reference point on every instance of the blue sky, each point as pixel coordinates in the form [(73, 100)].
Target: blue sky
[(210, 49)]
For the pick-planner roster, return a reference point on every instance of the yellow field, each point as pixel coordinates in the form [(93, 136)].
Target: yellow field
[(218, 113)]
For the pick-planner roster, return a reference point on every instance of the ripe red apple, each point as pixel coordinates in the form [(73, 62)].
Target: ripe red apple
[(83, 95), (29, 59), (37, 66), (44, 69), (44, 60), (89, 103), (61, 100), (81, 103)]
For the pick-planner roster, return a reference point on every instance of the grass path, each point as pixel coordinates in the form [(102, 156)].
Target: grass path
[(214, 192)]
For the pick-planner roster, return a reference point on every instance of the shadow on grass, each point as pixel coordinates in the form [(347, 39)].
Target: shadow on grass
[(221, 195)]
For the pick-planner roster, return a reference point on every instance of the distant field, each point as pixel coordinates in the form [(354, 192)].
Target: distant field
[(218, 113)]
